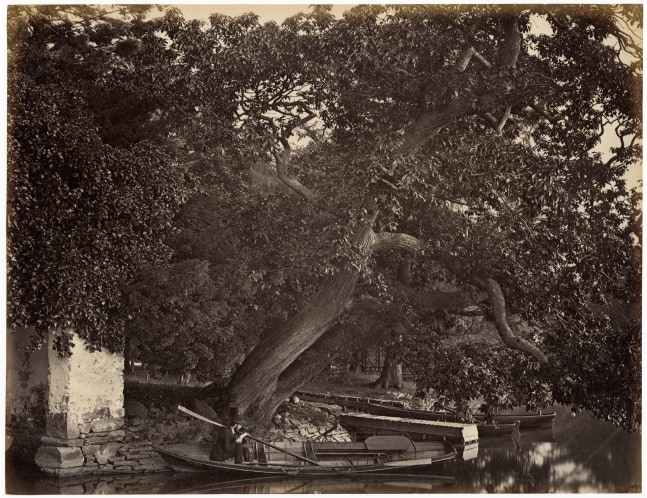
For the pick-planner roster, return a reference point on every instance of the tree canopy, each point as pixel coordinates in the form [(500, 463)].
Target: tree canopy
[(467, 142)]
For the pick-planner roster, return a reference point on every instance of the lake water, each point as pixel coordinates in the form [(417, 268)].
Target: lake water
[(579, 455)]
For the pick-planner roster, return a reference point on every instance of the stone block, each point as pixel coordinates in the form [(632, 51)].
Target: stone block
[(139, 455), (112, 470), (57, 457), (135, 409), (56, 441), (106, 452), (105, 437), (90, 449), (107, 425), (123, 467), (85, 427), (62, 425)]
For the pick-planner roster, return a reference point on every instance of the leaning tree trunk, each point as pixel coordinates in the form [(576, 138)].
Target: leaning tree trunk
[(304, 369), (256, 379)]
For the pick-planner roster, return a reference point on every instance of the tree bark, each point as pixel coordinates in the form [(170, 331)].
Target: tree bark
[(256, 379), (303, 370), (508, 337), (391, 375), (431, 122)]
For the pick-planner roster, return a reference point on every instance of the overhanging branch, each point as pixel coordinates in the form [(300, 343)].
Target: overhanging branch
[(501, 321), (385, 241)]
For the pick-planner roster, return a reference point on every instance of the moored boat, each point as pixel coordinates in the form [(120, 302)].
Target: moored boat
[(377, 407), (495, 430), (312, 459)]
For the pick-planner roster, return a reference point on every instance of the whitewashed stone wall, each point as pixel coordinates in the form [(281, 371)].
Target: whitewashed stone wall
[(85, 388), (85, 411)]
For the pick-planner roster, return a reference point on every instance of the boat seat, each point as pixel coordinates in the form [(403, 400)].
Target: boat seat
[(390, 443)]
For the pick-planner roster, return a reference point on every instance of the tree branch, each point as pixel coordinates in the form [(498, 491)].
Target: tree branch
[(504, 119), (385, 241), (282, 160), (500, 320), (512, 42)]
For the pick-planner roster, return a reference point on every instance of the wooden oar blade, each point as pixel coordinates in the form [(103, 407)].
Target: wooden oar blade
[(208, 420), (198, 416)]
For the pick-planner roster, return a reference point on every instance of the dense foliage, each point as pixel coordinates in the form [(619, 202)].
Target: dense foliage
[(472, 139), (92, 190)]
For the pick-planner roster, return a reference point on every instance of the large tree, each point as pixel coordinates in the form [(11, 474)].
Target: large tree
[(465, 136), (462, 139)]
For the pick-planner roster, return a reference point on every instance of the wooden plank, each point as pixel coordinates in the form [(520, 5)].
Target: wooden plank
[(455, 430)]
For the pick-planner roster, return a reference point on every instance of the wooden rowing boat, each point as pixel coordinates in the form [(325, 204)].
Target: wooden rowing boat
[(495, 430), (367, 425), (312, 459), (414, 427), (376, 407)]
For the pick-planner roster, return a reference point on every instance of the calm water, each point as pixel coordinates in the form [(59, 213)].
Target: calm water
[(580, 455)]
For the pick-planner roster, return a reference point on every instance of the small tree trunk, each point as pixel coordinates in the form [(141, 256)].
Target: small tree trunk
[(391, 375), (356, 365)]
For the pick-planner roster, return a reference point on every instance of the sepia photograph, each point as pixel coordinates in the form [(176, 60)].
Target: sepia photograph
[(323, 248)]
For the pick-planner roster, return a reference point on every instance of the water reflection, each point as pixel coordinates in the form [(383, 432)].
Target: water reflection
[(201, 483), (578, 455)]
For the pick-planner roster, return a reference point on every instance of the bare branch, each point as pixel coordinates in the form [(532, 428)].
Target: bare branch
[(501, 321), (385, 241), (512, 42), (481, 59), (464, 58), (504, 119)]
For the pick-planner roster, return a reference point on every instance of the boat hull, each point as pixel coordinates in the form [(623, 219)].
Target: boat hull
[(195, 458), (526, 420)]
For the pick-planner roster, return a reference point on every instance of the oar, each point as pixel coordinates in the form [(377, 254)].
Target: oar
[(213, 422)]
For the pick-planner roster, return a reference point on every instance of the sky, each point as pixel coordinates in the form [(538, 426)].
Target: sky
[(266, 12)]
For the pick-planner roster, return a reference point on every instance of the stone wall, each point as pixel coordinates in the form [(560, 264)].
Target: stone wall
[(77, 424), (85, 389), (26, 395), (84, 418)]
